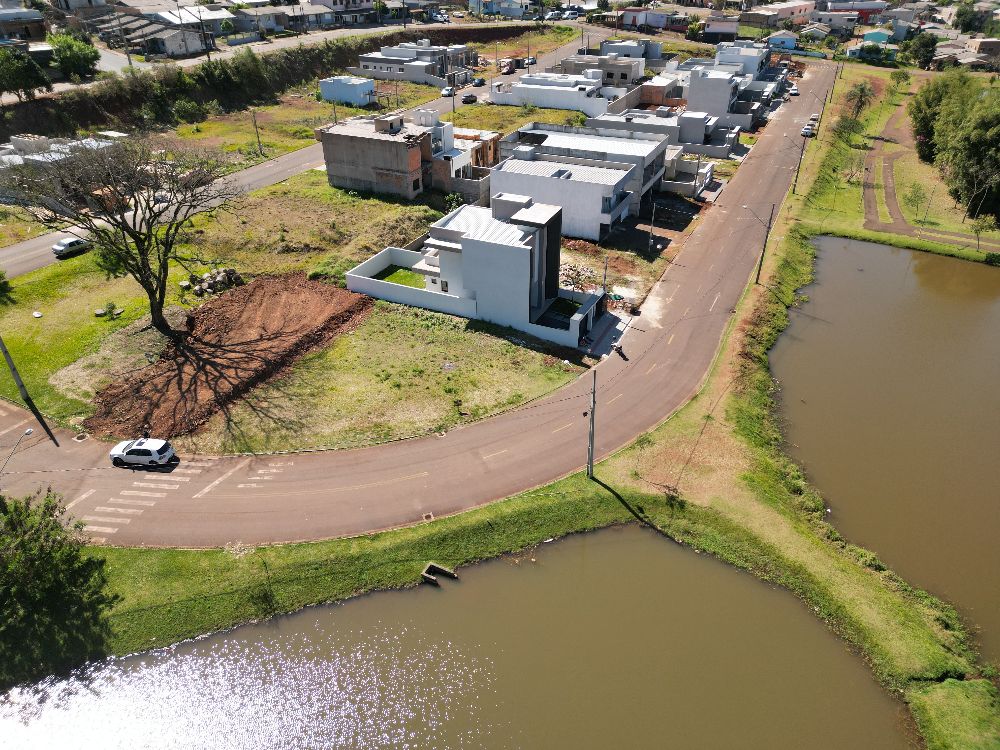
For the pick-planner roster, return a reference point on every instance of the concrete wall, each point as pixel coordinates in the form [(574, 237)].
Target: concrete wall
[(501, 276), (416, 76), (337, 89), (359, 280), (710, 94), (378, 166), (551, 97)]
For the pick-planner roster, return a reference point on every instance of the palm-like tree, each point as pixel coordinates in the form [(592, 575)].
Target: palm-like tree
[(859, 97)]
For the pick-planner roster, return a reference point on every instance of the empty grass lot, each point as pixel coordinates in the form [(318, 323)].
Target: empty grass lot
[(16, 226), (402, 276), (505, 119)]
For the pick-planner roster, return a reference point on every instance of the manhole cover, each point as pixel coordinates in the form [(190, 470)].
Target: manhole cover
[(428, 516), (81, 437)]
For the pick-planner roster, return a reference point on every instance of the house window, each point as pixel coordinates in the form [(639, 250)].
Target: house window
[(365, 67), (609, 74), (444, 286), (416, 184), (400, 70), (624, 76)]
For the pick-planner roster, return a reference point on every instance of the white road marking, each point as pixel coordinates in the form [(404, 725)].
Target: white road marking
[(107, 519), (221, 479), (84, 496), (651, 368), (257, 479), (671, 339), (157, 485), (560, 429), (282, 463), (185, 471), (615, 398), (491, 455), (248, 485), (14, 426), (172, 478), (717, 294), (146, 503), (140, 493), (686, 311), (123, 511), (269, 471), (101, 529), (196, 463)]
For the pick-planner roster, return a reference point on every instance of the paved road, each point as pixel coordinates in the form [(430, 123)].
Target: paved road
[(22, 257), (212, 501)]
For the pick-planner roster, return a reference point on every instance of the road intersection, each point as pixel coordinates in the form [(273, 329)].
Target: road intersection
[(211, 501)]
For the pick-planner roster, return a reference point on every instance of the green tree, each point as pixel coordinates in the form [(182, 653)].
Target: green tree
[(858, 97), (694, 30), (227, 27), (984, 224), (920, 49), (20, 75), (967, 19), (899, 78), (72, 56), (53, 594), (845, 128), (604, 5), (914, 197), (967, 145), (925, 106)]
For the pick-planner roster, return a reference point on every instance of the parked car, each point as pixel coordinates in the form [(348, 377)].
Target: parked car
[(470, 99), (448, 91), (142, 452), (530, 60), (814, 118), (808, 132), (794, 91), (458, 14), (68, 246), (570, 15), (478, 81), (553, 15)]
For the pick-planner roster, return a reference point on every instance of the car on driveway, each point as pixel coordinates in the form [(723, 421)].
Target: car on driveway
[(553, 15), (478, 81), (530, 60), (68, 246), (142, 452), (470, 99), (448, 91)]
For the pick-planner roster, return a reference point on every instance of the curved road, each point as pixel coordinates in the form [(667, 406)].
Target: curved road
[(214, 501)]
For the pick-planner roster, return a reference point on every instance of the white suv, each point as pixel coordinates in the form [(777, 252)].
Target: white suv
[(142, 452), (70, 246)]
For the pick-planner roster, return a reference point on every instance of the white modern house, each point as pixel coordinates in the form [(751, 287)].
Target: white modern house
[(593, 196), (634, 48), (498, 264), (420, 62), (695, 132), (353, 90), (584, 93)]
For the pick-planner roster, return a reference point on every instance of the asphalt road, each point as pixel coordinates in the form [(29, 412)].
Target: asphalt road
[(208, 501)]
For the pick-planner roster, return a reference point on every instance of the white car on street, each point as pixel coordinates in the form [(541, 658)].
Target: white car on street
[(70, 246), (448, 91), (142, 452)]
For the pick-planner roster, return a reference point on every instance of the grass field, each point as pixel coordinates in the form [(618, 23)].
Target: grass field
[(506, 119), (286, 126), (536, 43), (16, 226), (939, 208), (400, 275)]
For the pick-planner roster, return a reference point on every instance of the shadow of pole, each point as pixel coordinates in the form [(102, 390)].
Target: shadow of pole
[(24, 393), (636, 512)]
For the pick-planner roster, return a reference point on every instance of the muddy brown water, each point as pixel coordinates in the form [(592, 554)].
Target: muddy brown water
[(613, 639), (890, 388)]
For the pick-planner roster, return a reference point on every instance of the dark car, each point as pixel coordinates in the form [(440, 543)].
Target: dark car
[(478, 81), (470, 99)]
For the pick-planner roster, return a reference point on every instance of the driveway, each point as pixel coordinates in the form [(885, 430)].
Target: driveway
[(209, 501)]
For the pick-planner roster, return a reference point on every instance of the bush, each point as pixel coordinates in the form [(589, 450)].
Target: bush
[(188, 111), (992, 259)]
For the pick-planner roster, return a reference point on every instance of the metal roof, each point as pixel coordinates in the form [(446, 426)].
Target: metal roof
[(563, 171), (477, 223), (604, 144)]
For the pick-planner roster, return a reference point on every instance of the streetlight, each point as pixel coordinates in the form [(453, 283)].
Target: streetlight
[(12, 450), (767, 233)]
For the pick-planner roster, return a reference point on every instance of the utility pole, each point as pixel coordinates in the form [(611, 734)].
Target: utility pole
[(121, 34), (590, 434), (604, 285), (253, 114), (795, 182), (924, 220), (767, 233), (335, 112), (652, 223)]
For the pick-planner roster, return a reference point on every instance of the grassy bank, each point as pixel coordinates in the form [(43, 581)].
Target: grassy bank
[(16, 226)]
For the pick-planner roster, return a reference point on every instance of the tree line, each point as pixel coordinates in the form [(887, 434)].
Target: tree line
[(74, 56), (956, 125)]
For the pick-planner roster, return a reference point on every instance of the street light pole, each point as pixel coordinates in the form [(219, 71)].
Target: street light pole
[(14, 449), (590, 433), (802, 151), (763, 249)]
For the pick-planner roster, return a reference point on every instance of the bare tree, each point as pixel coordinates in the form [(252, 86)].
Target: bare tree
[(132, 200)]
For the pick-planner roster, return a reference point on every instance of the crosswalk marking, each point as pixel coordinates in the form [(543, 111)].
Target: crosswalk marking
[(157, 485), (282, 463), (186, 471), (146, 503), (196, 463), (125, 511), (172, 478), (221, 479), (140, 493), (247, 485), (257, 479), (107, 519), (100, 529), (84, 496)]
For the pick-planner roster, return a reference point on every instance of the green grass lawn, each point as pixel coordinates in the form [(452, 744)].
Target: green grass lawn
[(505, 119), (941, 213), (16, 226), (286, 126), (537, 42), (403, 276)]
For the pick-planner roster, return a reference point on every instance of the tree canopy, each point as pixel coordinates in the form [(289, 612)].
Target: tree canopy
[(73, 57), (53, 597), (920, 49), (133, 200), (20, 75)]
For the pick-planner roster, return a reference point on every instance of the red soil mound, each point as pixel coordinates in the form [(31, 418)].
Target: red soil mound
[(235, 342)]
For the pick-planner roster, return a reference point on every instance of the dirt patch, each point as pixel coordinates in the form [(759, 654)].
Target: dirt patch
[(235, 342)]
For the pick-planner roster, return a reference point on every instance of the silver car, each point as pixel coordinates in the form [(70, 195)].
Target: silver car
[(68, 246), (142, 452)]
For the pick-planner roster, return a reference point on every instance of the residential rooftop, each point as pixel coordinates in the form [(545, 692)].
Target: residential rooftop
[(477, 223), (563, 170), (590, 142)]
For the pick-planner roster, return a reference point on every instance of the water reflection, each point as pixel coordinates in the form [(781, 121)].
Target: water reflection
[(616, 639)]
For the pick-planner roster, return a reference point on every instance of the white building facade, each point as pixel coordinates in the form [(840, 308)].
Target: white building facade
[(583, 93)]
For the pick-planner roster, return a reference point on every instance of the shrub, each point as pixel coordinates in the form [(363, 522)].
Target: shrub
[(992, 259), (188, 111)]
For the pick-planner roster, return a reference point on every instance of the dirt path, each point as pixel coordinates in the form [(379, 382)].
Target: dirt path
[(897, 131)]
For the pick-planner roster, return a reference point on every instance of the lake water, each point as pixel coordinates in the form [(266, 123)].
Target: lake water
[(890, 378), (613, 639)]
